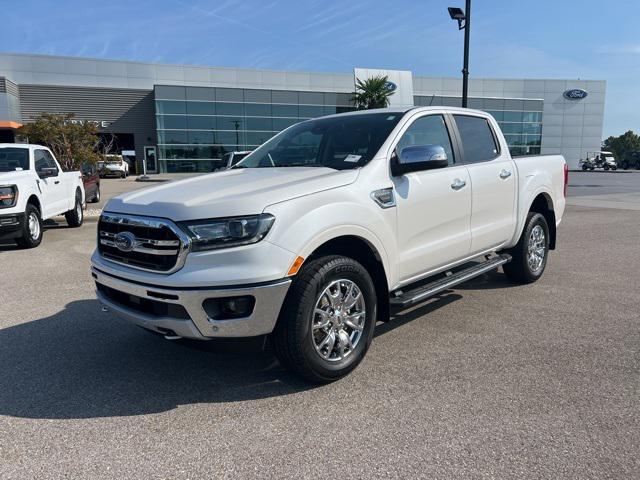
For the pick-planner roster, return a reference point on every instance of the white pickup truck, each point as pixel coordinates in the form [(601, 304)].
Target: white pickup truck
[(34, 188), (325, 228)]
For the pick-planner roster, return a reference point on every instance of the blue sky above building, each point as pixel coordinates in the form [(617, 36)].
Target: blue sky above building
[(544, 39)]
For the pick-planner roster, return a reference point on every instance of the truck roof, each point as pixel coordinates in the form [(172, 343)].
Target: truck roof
[(21, 145), (408, 109)]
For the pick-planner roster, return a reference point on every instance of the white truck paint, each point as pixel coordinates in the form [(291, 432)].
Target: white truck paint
[(34, 188), (389, 197)]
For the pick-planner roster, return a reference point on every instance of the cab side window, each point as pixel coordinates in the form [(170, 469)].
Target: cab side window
[(429, 130), (39, 159), (478, 141), (51, 163)]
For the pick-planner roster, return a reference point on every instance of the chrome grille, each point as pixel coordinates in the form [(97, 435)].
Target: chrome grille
[(144, 243)]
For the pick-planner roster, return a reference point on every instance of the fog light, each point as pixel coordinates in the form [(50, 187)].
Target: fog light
[(228, 308)]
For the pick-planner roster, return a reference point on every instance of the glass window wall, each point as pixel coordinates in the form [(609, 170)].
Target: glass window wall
[(197, 125)]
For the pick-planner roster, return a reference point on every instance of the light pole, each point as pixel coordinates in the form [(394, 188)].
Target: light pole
[(464, 22)]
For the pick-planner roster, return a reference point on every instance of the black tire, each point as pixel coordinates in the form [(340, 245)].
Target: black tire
[(606, 167), (96, 196), (27, 240), (293, 337), (518, 269), (584, 168), (75, 217)]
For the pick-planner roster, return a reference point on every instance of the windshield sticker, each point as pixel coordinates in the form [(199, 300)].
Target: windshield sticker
[(18, 169), (352, 158), (391, 117)]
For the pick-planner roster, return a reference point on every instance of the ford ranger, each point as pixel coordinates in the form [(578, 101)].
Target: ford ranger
[(325, 228), (34, 188)]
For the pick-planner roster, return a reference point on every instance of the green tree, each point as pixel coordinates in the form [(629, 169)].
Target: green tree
[(620, 146), (71, 142), (374, 92)]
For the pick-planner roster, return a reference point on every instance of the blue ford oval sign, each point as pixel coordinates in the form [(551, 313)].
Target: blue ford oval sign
[(391, 86), (125, 241), (575, 94)]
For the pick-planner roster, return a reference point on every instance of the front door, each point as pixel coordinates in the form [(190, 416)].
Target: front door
[(150, 159), (493, 183), (53, 190), (433, 206)]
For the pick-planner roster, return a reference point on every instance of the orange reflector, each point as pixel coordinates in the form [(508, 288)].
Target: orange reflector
[(296, 266)]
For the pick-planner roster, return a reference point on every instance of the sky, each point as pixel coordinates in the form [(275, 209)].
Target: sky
[(587, 39)]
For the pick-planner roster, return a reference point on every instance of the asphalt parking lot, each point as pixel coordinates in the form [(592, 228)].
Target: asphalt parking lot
[(489, 380)]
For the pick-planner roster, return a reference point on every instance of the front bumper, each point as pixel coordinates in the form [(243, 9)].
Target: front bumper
[(182, 311), (11, 225)]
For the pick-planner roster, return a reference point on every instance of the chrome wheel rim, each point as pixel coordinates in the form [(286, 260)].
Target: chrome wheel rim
[(34, 226), (536, 249), (338, 320)]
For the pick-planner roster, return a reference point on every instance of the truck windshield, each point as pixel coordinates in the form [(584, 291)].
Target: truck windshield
[(341, 142), (12, 159)]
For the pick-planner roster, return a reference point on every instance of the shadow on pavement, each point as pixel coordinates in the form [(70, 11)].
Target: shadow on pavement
[(83, 363)]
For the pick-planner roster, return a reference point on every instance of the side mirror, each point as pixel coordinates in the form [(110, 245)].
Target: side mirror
[(418, 157), (46, 172)]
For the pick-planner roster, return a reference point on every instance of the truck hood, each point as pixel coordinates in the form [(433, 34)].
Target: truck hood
[(14, 176), (229, 193)]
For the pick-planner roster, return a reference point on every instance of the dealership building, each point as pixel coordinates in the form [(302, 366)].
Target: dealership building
[(185, 118)]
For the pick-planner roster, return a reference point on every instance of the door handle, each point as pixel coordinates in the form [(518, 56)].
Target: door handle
[(56, 182), (505, 174), (458, 184)]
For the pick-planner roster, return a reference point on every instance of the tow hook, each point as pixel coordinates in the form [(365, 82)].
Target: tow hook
[(172, 337)]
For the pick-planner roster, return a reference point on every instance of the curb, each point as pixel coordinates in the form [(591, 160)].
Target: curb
[(605, 171), (151, 179)]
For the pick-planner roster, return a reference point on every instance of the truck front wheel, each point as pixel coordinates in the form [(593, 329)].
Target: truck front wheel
[(32, 229), (327, 320), (529, 256)]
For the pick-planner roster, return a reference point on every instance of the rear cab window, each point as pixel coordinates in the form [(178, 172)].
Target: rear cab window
[(477, 138)]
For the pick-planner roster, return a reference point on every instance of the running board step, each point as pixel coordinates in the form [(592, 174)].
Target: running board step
[(423, 292)]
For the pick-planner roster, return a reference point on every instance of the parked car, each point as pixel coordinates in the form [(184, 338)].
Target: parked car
[(91, 182), (113, 166), (323, 229), (34, 188), (631, 160)]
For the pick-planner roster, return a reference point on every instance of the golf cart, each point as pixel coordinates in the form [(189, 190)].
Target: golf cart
[(604, 160)]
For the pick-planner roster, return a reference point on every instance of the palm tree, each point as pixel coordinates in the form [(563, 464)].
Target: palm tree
[(374, 92)]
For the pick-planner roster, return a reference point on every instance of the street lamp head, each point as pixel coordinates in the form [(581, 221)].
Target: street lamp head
[(456, 13)]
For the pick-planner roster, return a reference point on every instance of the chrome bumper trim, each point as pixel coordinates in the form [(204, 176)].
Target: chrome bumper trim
[(269, 299)]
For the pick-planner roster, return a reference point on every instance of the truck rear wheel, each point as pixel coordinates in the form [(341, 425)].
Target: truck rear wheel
[(529, 256), (32, 228), (327, 320), (76, 216)]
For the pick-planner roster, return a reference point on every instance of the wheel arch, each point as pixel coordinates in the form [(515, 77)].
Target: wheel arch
[(365, 253), (543, 204), (35, 201)]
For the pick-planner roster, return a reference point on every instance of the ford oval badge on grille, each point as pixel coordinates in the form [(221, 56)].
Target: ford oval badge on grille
[(125, 241)]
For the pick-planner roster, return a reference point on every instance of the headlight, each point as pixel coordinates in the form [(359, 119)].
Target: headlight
[(8, 196), (227, 232)]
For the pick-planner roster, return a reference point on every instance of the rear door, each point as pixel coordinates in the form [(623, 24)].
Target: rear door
[(433, 206), (493, 182)]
